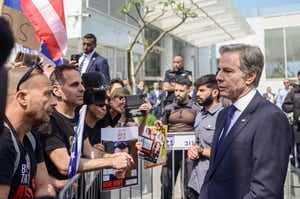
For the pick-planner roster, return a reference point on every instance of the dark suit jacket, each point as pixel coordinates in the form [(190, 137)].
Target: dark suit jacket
[(252, 161), (153, 98), (99, 63)]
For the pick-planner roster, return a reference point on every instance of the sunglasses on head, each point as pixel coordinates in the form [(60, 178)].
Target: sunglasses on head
[(28, 73)]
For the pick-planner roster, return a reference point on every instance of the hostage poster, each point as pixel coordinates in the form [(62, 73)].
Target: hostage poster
[(153, 143), (120, 140)]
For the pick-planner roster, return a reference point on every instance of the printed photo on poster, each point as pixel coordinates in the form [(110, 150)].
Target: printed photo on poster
[(153, 143), (120, 140)]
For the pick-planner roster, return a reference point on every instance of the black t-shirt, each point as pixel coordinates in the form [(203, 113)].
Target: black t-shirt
[(62, 136), (22, 184), (94, 134)]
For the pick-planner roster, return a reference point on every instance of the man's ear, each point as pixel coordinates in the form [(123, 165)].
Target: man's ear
[(250, 77), (215, 92), (56, 90), (21, 97)]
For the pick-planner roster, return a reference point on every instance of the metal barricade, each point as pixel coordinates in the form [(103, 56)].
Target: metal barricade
[(149, 186)]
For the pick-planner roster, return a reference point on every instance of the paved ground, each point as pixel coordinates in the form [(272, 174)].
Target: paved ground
[(292, 188), (151, 189)]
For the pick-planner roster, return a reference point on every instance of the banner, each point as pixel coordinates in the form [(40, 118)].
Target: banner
[(24, 32)]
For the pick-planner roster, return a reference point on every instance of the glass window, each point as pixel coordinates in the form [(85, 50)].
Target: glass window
[(121, 64), (114, 9), (152, 62), (293, 51), (274, 53), (178, 48)]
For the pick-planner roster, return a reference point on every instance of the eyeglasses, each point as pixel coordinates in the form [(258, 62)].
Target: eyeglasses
[(27, 74)]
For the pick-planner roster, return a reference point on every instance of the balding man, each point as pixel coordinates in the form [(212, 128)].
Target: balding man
[(23, 172)]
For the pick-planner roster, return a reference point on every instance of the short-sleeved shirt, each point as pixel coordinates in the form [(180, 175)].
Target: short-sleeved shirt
[(62, 136), (171, 77), (204, 131), (180, 118), (22, 183)]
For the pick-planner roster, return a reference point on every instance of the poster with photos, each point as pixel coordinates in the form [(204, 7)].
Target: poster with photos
[(153, 146), (121, 139)]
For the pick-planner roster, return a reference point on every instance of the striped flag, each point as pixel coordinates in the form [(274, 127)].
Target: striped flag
[(48, 19), (76, 148), (77, 144)]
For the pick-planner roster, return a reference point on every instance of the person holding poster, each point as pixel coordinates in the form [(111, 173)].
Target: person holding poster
[(180, 117)]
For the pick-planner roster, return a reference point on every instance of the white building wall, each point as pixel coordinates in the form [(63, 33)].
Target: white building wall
[(259, 24), (109, 31)]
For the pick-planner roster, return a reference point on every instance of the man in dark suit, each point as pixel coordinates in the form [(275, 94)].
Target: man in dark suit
[(155, 97), (91, 60), (249, 159)]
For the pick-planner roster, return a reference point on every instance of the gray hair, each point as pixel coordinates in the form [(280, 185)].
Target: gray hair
[(251, 58)]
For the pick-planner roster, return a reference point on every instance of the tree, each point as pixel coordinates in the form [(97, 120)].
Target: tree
[(146, 16)]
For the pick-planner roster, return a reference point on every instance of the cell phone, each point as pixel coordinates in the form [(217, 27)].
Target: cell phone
[(132, 106), (75, 57), (27, 59)]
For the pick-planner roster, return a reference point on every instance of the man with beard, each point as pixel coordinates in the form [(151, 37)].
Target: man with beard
[(23, 172), (180, 117), (208, 97)]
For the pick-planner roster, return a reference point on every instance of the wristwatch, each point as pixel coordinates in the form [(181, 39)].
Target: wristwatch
[(200, 150)]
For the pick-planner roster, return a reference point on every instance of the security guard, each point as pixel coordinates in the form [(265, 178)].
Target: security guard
[(171, 76)]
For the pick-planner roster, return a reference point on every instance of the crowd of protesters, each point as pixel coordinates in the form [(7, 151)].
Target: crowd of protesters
[(44, 105)]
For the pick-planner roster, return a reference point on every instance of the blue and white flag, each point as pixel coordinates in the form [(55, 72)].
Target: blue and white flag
[(76, 148), (77, 144)]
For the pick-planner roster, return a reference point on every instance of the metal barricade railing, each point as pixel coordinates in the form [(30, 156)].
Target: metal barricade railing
[(63, 193), (146, 188), (149, 185)]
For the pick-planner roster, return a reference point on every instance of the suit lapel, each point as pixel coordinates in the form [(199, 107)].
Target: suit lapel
[(236, 129), (92, 61)]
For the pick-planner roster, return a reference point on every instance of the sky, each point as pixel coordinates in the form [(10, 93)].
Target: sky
[(248, 7)]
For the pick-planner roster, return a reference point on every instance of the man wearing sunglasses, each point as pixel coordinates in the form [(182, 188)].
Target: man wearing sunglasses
[(30, 101), (69, 90)]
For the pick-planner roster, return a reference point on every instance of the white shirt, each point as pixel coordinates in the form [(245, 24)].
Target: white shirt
[(241, 105), (84, 61)]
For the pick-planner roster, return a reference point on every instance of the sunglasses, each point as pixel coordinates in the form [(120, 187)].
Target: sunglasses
[(101, 105), (28, 73)]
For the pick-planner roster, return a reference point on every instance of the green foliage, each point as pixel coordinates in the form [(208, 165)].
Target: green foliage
[(127, 7), (150, 120)]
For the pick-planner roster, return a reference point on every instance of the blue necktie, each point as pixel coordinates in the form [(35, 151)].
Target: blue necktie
[(229, 115)]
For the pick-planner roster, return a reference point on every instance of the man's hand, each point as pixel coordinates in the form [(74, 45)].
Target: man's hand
[(193, 152), (146, 107), (99, 147), (158, 123), (121, 160)]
